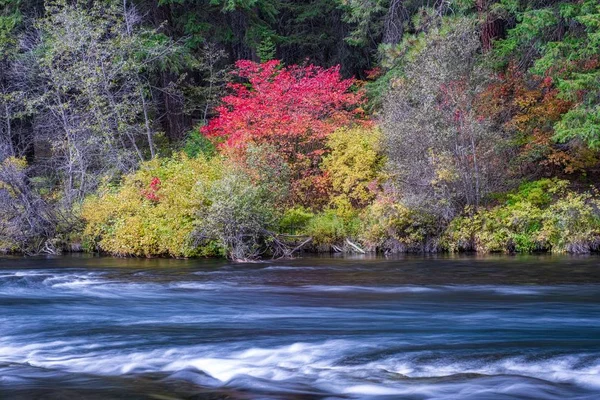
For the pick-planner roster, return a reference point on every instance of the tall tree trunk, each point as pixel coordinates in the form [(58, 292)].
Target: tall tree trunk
[(170, 102), (238, 21), (491, 27), (393, 25), (147, 124), (174, 120)]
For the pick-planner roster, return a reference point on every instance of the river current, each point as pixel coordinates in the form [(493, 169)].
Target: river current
[(315, 328)]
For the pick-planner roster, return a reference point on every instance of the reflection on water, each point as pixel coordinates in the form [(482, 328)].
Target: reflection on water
[(410, 328)]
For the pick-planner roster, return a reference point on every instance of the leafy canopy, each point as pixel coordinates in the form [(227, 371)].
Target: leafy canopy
[(289, 107), (292, 109)]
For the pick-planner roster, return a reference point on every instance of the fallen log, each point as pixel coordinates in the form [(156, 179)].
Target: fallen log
[(300, 246), (355, 247)]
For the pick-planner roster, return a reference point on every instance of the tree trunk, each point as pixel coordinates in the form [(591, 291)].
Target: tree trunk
[(393, 25), (174, 120), (492, 28), (169, 101), (238, 21)]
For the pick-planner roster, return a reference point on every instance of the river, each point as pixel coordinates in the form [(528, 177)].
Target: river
[(82, 327)]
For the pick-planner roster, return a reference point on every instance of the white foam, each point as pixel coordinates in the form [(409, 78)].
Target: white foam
[(370, 289), (321, 363), (553, 369), (373, 390)]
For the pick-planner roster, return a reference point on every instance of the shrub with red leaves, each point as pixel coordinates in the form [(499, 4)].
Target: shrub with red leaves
[(152, 192), (292, 109)]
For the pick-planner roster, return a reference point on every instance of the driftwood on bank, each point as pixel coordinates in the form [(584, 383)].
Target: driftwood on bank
[(355, 247), (337, 249), (300, 246), (249, 247)]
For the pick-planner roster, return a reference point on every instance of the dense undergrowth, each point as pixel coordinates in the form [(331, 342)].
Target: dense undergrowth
[(477, 129)]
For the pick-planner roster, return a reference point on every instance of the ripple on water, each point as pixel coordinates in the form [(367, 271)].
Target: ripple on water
[(287, 331)]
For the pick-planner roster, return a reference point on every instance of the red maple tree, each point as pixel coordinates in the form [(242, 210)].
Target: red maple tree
[(291, 104), (290, 108)]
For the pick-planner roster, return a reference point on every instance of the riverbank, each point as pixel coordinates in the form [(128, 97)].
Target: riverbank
[(544, 216), (211, 207)]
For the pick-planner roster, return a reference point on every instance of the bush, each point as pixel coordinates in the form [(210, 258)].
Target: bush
[(197, 144), (332, 228), (354, 165), (295, 220), (572, 223), (242, 216), (393, 227), (153, 212), (541, 216), (28, 224), (539, 193)]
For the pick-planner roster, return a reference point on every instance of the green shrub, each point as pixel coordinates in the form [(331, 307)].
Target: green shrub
[(572, 223), (241, 216), (197, 144), (538, 193), (541, 216), (295, 220), (245, 205), (329, 227), (391, 226)]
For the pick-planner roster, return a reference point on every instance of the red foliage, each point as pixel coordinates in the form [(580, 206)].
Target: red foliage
[(528, 107), (289, 107), (374, 73), (151, 193), (293, 109)]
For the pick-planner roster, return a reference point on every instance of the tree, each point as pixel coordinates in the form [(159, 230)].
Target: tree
[(26, 219), (94, 106), (443, 155), (14, 140), (561, 41), (527, 109), (292, 31), (293, 109), (354, 165), (379, 21)]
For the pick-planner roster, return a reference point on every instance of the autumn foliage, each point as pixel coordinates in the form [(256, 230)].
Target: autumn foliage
[(152, 192), (529, 107), (292, 108)]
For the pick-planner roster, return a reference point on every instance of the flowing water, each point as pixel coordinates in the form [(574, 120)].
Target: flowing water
[(315, 328)]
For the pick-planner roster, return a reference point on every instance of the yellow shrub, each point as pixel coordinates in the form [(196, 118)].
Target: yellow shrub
[(354, 165), (153, 211)]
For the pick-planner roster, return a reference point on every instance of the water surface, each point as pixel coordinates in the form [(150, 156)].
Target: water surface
[(315, 328)]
